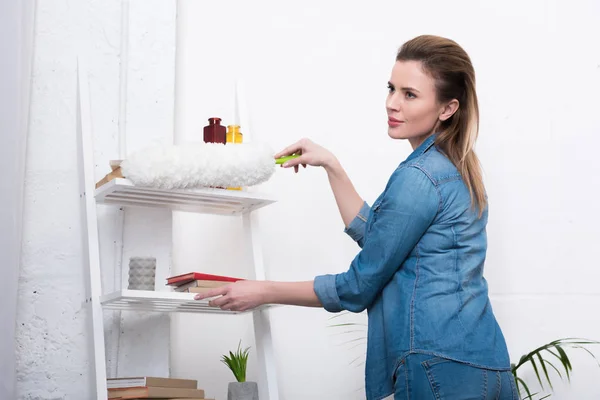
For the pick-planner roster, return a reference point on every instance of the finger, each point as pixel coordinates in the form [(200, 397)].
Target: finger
[(242, 308), (220, 291), (295, 168), (227, 306), (294, 148), (219, 301), (294, 162)]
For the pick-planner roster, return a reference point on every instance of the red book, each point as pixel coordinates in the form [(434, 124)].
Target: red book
[(199, 276)]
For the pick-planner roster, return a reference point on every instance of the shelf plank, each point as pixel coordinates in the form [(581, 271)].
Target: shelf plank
[(165, 302), (123, 192)]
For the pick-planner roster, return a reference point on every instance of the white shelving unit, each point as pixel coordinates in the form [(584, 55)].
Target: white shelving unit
[(142, 300), (122, 192), (208, 201)]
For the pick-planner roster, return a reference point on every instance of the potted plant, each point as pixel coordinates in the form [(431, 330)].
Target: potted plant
[(240, 390), (555, 351)]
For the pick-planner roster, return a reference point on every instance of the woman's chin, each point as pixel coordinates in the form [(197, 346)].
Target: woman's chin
[(396, 133)]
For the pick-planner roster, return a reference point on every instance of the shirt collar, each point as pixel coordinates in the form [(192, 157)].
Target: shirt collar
[(423, 147)]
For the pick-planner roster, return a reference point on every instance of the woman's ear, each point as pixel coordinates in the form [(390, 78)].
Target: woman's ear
[(449, 110)]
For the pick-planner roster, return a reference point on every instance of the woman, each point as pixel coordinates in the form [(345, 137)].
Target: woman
[(432, 332)]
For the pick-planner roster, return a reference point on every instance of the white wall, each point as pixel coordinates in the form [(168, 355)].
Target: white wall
[(319, 69), (53, 357), (16, 34)]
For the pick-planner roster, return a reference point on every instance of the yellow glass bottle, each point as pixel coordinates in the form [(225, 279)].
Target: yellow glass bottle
[(233, 136)]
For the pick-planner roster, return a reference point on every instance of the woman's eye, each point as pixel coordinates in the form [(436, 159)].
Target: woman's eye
[(390, 88), (410, 95)]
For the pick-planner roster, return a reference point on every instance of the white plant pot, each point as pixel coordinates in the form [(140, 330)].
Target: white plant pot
[(242, 391)]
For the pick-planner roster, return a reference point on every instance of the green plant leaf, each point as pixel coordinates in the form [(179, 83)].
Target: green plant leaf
[(557, 349), (356, 359), (358, 344), (534, 394), (565, 361), (556, 369), (346, 324), (237, 362), (522, 382), (348, 331), (535, 369), (589, 352), (340, 314), (543, 363)]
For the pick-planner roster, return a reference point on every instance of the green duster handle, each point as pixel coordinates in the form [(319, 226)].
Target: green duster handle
[(282, 160)]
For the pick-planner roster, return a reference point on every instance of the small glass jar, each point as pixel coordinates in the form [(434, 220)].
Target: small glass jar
[(233, 134), (214, 132)]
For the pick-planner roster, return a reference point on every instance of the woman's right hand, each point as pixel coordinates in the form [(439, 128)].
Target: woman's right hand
[(309, 153)]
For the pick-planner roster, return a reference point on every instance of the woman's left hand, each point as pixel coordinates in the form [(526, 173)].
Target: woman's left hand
[(237, 296)]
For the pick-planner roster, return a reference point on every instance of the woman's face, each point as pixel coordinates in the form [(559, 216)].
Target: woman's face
[(412, 107)]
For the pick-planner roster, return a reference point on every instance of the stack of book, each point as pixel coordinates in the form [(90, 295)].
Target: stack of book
[(154, 388), (198, 282)]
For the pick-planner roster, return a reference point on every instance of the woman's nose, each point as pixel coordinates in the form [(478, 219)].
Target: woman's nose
[(393, 103)]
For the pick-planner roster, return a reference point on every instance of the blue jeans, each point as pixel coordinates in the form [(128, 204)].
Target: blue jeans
[(424, 377)]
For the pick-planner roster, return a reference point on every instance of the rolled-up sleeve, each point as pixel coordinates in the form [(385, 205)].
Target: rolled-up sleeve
[(407, 209), (356, 227)]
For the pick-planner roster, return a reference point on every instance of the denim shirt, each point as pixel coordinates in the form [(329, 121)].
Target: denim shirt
[(419, 273)]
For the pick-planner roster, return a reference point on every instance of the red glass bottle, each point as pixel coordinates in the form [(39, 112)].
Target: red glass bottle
[(214, 132)]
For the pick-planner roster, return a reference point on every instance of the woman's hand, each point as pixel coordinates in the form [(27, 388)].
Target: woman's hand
[(310, 154), (245, 295), (237, 296)]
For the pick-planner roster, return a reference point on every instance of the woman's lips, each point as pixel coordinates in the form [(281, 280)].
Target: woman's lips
[(393, 122)]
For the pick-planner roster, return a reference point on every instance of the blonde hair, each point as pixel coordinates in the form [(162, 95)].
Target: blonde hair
[(454, 76)]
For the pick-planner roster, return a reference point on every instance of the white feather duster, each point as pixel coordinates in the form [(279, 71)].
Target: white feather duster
[(197, 165)]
